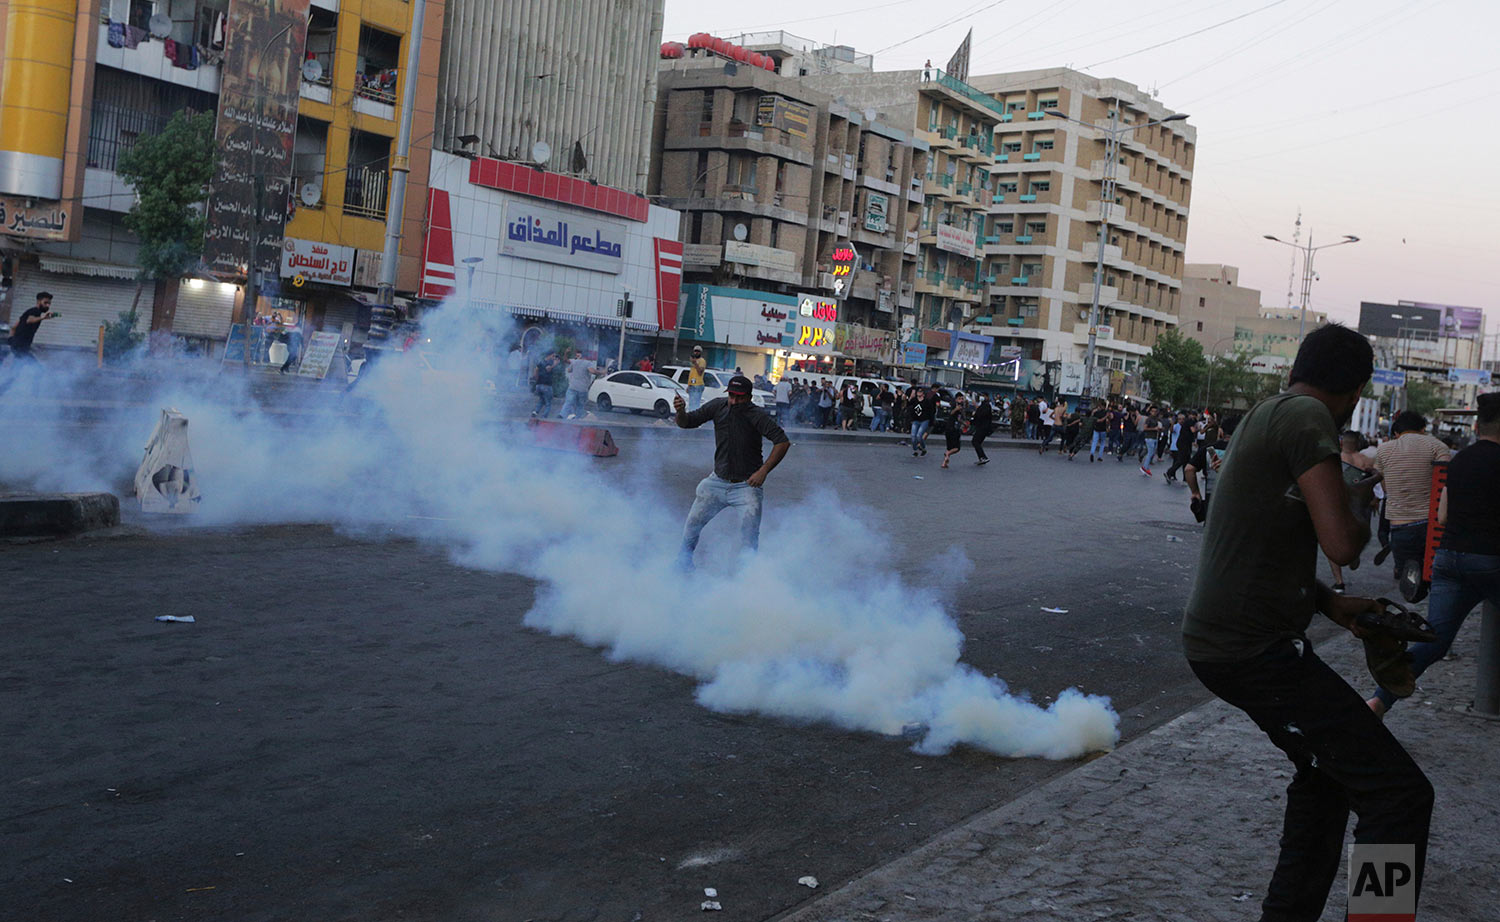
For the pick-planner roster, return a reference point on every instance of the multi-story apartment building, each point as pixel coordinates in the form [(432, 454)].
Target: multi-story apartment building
[(773, 179), (958, 122), (576, 76), (126, 66), (1226, 318), (1041, 237)]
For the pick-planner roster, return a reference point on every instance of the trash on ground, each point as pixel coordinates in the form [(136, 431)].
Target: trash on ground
[(711, 906), (1055, 611), (917, 477), (180, 619), (710, 892), (1173, 538), (166, 481), (1242, 898), (809, 882)]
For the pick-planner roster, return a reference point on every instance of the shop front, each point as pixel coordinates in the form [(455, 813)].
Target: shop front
[(557, 257), (763, 333)]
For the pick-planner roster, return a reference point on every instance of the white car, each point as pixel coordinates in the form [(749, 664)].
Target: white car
[(636, 391), (716, 384)]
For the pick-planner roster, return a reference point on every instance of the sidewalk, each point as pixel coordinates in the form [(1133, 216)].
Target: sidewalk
[(1182, 824)]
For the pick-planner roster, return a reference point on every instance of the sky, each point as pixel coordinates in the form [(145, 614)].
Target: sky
[(1374, 117)]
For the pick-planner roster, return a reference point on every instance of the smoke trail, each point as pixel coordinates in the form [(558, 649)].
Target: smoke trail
[(844, 641)]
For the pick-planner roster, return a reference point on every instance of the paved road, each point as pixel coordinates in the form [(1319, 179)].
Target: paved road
[(359, 729)]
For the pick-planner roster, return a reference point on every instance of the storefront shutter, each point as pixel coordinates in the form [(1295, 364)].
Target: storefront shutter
[(84, 301)]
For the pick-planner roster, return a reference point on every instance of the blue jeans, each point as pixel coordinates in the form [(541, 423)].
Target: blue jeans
[(882, 420), (1096, 448), (575, 402), (1408, 542), (543, 406), (1460, 581), (919, 429), (695, 396), (714, 495)]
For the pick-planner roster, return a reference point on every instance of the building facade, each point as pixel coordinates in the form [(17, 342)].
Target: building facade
[(566, 86), (1041, 238), (775, 180), (1226, 318), (1441, 344), (339, 75)]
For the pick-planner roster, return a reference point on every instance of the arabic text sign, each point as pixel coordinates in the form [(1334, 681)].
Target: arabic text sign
[(47, 221), (251, 188), (317, 262), (913, 354), (954, 240), (877, 207), (1389, 377), (1475, 376), (318, 354), (791, 117), (751, 254), (568, 238)]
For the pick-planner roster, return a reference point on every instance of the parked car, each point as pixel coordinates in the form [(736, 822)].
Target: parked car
[(716, 384), (636, 391)]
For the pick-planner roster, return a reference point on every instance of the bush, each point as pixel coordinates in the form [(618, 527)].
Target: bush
[(120, 337)]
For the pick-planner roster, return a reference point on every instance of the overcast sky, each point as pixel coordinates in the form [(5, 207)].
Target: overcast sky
[(1375, 117)]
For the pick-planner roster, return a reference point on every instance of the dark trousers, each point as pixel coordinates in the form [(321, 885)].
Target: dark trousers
[(1180, 458), (1408, 542), (978, 442), (1345, 760)]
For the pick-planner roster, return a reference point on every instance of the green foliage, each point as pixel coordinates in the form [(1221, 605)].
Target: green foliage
[(1175, 368), (1422, 396), (120, 336), (1233, 383), (170, 173)]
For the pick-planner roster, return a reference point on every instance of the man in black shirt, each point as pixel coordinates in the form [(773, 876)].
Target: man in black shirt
[(739, 473), (1466, 567), (26, 328), (923, 409)]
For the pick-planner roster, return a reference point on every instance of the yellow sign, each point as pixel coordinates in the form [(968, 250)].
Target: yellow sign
[(298, 281)]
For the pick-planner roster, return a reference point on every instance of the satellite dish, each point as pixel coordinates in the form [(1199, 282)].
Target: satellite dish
[(740, 233), (870, 115), (310, 193), (159, 25), (312, 70), (541, 152)]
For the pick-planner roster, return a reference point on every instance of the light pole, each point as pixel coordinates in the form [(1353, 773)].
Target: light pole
[(1208, 392), (1307, 270), (1112, 137)]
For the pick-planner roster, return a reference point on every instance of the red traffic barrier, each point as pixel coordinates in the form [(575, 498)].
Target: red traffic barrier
[(590, 440)]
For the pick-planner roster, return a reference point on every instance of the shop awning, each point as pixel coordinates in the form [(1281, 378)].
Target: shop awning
[(547, 313), (65, 266)]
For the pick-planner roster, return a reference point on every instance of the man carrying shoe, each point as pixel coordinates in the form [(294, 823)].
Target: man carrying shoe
[(1280, 495), (739, 473)]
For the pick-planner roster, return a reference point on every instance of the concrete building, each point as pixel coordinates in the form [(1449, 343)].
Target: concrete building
[(1040, 240), (773, 178), (958, 122), (1439, 343), (1226, 318), (576, 76), (324, 141)]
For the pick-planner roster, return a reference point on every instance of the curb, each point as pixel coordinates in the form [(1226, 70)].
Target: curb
[(31, 515)]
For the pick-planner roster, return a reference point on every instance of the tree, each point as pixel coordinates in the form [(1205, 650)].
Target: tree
[(120, 336), (169, 172), (1175, 368), (1422, 396), (1233, 382)]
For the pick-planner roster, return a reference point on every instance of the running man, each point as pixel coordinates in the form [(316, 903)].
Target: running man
[(28, 325), (696, 367), (1280, 495), (739, 472)]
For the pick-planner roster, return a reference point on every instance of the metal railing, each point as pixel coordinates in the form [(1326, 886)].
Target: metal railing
[(963, 89), (365, 192)]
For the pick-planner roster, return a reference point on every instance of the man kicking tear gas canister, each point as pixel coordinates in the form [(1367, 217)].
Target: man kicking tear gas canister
[(739, 473), (1280, 495)]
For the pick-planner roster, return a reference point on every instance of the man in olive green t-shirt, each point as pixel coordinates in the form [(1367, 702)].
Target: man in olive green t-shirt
[(1280, 495)]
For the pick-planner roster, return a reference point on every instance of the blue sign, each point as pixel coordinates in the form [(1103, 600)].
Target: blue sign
[(566, 238), (913, 353), (1389, 377)]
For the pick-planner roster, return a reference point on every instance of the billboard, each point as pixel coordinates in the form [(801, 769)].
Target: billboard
[(1453, 320), (1398, 320), (954, 240), (567, 238), (790, 117), (252, 185)]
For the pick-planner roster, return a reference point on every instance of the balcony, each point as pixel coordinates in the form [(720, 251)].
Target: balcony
[(1029, 197), (1031, 158), (1023, 238), (1020, 280), (147, 60), (992, 106), (365, 192), (1006, 117), (1002, 158), (1037, 116)]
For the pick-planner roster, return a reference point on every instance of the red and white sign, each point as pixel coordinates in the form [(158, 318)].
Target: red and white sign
[(668, 281), (328, 263), (438, 273), (955, 240)]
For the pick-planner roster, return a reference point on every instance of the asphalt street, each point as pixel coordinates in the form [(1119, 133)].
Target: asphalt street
[(357, 728)]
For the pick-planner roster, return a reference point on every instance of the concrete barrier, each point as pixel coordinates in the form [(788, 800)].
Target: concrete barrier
[(31, 515)]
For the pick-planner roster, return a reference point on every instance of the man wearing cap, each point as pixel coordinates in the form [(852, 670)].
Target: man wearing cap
[(739, 472), (696, 367)]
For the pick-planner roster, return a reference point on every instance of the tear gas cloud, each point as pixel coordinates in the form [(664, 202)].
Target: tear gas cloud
[(840, 641)]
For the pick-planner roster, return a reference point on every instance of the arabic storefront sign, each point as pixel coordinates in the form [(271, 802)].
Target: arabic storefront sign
[(912, 354), (751, 254), (247, 200), (862, 342), (845, 262), (317, 262), (318, 354), (1475, 376), (48, 221), (877, 207), (790, 117), (567, 238), (816, 308), (954, 240)]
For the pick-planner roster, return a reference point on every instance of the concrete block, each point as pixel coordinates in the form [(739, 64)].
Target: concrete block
[(28, 515)]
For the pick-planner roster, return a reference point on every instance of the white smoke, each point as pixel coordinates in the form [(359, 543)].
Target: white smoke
[(814, 627)]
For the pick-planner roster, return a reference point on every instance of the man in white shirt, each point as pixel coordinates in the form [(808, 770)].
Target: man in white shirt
[(784, 401)]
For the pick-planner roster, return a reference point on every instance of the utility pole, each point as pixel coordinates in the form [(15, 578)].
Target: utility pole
[(625, 311), (385, 293)]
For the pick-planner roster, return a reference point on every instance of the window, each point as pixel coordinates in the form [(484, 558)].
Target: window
[(1200, 326), (1011, 147), (1036, 227), (1007, 186), (375, 67), (1202, 302), (707, 106), (366, 180), (309, 153), (1047, 104), (1041, 185), (1005, 227), (127, 106), (1042, 145), (1015, 106)]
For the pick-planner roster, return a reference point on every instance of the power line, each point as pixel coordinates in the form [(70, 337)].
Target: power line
[(1188, 35), (971, 12), (1262, 38)]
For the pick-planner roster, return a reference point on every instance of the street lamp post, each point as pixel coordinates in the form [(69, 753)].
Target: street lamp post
[(1307, 270), (1112, 138), (1208, 392)]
